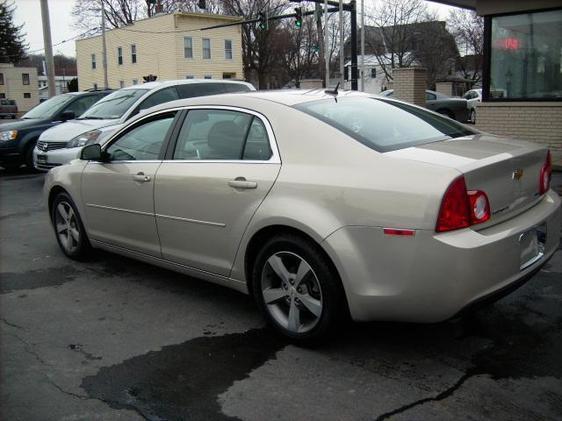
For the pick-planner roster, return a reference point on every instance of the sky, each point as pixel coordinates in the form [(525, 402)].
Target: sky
[(28, 12)]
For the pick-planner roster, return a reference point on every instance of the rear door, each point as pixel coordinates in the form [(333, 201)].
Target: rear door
[(119, 194), (223, 164)]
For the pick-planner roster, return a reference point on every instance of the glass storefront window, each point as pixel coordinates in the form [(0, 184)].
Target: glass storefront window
[(526, 56)]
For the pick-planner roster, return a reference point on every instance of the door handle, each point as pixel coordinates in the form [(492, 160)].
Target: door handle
[(242, 183), (141, 177)]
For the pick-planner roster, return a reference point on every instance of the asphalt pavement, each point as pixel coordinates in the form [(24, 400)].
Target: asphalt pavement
[(117, 339)]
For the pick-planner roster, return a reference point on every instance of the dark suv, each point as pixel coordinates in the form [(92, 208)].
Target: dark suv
[(18, 138)]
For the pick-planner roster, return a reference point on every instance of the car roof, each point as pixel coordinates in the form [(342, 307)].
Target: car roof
[(289, 97), (165, 83)]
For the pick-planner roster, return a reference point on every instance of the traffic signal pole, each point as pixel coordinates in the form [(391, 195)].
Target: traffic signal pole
[(350, 7)]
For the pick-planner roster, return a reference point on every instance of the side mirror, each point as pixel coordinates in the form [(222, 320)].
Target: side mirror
[(67, 115), (92, 153)]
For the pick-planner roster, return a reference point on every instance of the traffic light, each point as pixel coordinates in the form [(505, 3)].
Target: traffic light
[(298, 17), (263, 23)]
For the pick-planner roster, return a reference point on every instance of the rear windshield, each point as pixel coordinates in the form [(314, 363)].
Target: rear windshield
[(114, 105), (384, 125)]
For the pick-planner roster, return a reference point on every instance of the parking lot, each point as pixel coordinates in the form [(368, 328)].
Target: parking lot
[(113, 338)]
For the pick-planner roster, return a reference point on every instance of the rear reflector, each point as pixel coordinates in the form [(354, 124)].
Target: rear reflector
[(398, 231)]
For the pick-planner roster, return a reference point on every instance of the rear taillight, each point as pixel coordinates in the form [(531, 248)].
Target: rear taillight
[(546, 173), (461, 208)]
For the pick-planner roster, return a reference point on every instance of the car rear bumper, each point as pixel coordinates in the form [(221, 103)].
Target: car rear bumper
[(430, 277), (44, 161)]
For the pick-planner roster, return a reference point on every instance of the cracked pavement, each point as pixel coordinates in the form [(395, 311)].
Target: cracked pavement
[(113, 338)]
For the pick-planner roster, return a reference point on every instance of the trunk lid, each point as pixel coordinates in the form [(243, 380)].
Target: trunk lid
[(506, 170)]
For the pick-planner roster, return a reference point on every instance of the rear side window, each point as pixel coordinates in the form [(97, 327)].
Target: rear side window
[(222, 135), (384, 125)]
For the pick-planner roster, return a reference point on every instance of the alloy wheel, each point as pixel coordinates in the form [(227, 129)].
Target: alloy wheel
[(291, 292), (66, 226)]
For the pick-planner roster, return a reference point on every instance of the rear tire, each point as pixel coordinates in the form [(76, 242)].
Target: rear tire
[(297, 289), (69, 230)]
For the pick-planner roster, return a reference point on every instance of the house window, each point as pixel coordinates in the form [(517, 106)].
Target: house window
[(2, 95), (119, 55), (121, 83), (525, 56), (93, 61), (1, 78), (373, 72), (27, 95), (133, 53), (206, 48), (208, 76), (25, 78), (228, 49), (190, 77), (95, 86), (135, 81), (188, 47)]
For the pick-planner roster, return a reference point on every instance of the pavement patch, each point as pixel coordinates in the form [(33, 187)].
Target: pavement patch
[(183, 381), (11, 281)]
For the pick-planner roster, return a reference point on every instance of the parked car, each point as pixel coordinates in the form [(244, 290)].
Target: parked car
[(8, 108), (473, 97), (62, 144), (319, 208), (455, 108), (18, 138)]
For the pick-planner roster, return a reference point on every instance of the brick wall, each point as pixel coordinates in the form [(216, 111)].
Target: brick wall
[(409, 84), (539, 122)]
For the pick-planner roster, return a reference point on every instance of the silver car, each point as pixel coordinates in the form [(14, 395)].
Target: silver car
[(319, 205)]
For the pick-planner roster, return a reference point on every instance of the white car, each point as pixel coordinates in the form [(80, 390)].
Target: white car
[(62, 144), (473, 97)]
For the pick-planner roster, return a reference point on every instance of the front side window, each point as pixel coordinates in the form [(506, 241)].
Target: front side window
[(228, 49), (143, 142), (384, 125), (206, 48), (119, 55), (221, 135), (25, 78), (159, 97), (526, 56), (93, 61), (188, 47), (133, 53), (114, 105)]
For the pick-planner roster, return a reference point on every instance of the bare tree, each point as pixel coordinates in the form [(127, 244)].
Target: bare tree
[(394, 22), (468, 29)]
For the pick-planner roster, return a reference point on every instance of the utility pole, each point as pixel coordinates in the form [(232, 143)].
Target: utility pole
[(353, 11), (48, 47), (321, 44), (327, 54), (362, 45), (104, 46), (342, 42)]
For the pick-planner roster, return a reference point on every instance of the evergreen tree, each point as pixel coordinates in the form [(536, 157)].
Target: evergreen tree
[(12, 40)]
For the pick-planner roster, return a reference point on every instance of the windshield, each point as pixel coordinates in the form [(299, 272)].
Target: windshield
[(384, 125), (49, 108), (114, 105)]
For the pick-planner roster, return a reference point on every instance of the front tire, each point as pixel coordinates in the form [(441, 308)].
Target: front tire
[(29, 156), (297, 288), (69, 230)]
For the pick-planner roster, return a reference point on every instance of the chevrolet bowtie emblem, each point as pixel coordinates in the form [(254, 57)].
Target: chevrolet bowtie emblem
[(517, 174)]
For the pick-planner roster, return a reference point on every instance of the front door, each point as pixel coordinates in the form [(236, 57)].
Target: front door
[(119, 194), (223, 165)]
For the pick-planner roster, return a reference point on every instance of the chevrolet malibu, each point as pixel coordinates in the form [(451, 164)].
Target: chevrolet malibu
[(320, 205)]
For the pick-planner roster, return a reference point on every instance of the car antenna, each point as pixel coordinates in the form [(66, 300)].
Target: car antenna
[(333, 91)]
